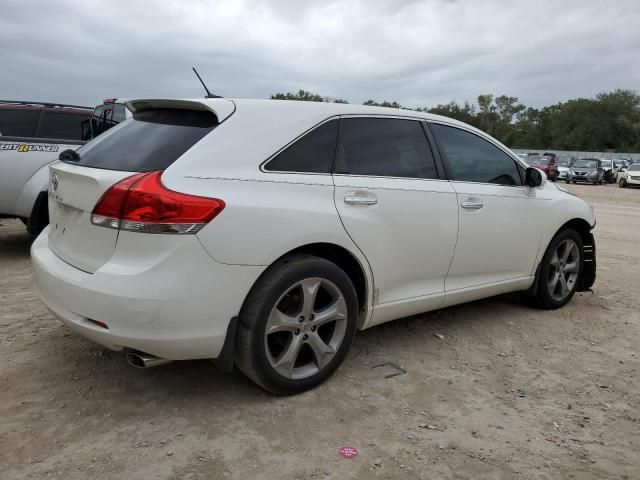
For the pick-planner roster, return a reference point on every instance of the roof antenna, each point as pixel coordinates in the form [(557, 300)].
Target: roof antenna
[(209, 94)]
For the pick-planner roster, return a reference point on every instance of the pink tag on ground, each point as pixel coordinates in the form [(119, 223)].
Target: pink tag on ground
[(348, 452)]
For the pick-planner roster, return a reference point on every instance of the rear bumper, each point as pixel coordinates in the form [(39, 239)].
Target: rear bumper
[(174, 303)]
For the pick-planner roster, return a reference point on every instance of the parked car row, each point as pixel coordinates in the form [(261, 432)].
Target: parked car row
[(596, 171)]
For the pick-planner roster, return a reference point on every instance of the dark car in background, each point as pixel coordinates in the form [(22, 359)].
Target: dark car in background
[(111, 112), (586, 170), (545, 163), (610, 170)]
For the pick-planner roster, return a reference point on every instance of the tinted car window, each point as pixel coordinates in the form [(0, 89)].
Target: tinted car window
[(473, 159), (118, 113), (312, 153), (386, 147), (151, 140), (62, 125), (19, 122), (586, 163)]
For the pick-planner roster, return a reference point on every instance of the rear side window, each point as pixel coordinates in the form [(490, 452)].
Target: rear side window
[(18, 123), (62, 125), (473, 159), (384, 147), (313, 153), (151, 140)]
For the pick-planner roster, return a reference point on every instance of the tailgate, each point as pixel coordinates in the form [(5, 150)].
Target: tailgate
[(73, 193)]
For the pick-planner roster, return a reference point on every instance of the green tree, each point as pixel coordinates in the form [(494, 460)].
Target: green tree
[(302, 95)]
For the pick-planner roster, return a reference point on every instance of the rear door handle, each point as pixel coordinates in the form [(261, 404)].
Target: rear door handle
[(472, 204), (360, 198)]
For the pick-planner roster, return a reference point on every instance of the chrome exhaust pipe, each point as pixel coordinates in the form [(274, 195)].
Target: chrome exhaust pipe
[(144, 360)]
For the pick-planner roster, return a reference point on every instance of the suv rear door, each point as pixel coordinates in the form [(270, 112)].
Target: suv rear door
[(397, 210)]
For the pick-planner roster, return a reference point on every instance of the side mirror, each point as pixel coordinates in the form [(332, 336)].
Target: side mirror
[(534, 177)]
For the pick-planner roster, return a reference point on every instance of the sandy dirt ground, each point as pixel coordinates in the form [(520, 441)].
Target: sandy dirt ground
[(506, 392)]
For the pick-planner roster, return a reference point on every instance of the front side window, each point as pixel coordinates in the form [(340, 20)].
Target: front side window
[(474, 159), (385, 147), (61, 125), (313, 153)]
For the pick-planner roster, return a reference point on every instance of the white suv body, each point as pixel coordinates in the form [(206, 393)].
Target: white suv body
[(413, 234)]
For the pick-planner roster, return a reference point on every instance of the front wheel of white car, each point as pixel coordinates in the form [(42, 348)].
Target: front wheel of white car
[(560, 270), (297, 324)]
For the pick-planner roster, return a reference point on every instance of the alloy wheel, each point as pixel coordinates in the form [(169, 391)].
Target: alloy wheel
[(563, 270), (305, 328)]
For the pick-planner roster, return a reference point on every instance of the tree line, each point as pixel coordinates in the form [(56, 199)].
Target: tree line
[(610, 121)]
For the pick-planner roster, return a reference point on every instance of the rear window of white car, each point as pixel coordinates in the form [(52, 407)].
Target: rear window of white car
[(150, 140)]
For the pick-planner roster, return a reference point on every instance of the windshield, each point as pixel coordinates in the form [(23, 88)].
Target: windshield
[(536, 160), (586, 163), (634, 168), (563, 161)]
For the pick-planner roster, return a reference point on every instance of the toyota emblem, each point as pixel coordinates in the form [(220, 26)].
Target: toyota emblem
[(54, 182)]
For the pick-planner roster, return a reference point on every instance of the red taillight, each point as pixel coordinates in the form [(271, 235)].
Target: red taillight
[(141, 203)]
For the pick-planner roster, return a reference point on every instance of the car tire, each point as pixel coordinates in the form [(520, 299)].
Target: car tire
[(622, 183), (568, 182), (557, 278), (300, 352)]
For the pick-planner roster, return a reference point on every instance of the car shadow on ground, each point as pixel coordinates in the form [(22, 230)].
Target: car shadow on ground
[(195, 381), (16, 242)]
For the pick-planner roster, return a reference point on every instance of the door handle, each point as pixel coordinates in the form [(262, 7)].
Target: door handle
[(360, 198), (472, 204)]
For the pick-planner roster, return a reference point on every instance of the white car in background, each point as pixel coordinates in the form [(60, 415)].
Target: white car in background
[(32, 135), (630, 177), (266, 233), (563, 163)]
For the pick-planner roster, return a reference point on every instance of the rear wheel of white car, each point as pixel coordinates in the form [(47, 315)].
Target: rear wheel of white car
[(297, 324), (560, 270)]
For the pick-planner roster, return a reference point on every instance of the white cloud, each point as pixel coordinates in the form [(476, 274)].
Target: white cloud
[(416, 52)]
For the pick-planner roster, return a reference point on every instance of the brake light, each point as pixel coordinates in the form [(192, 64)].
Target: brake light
[(140, 203)]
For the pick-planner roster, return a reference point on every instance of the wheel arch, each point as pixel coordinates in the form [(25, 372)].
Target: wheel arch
[(583, 228), (348, 262)]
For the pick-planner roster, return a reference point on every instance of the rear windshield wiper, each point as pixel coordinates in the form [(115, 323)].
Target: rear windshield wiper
[(69, 155)]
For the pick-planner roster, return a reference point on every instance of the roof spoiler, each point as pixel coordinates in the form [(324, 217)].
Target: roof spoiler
[(222, 108)]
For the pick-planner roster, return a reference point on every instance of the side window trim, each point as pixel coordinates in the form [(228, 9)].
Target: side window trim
[(445, 161), (440, 171), (263, 165)]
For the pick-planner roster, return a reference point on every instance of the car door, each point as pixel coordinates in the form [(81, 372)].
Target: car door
[(500, 218), (397, 210)]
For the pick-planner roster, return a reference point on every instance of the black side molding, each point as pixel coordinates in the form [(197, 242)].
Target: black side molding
[(588, 266)]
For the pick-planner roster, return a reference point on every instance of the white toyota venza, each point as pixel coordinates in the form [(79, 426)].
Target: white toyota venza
[(266, 233)]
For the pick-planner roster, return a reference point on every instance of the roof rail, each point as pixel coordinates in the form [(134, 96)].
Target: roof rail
[(44, 104)]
